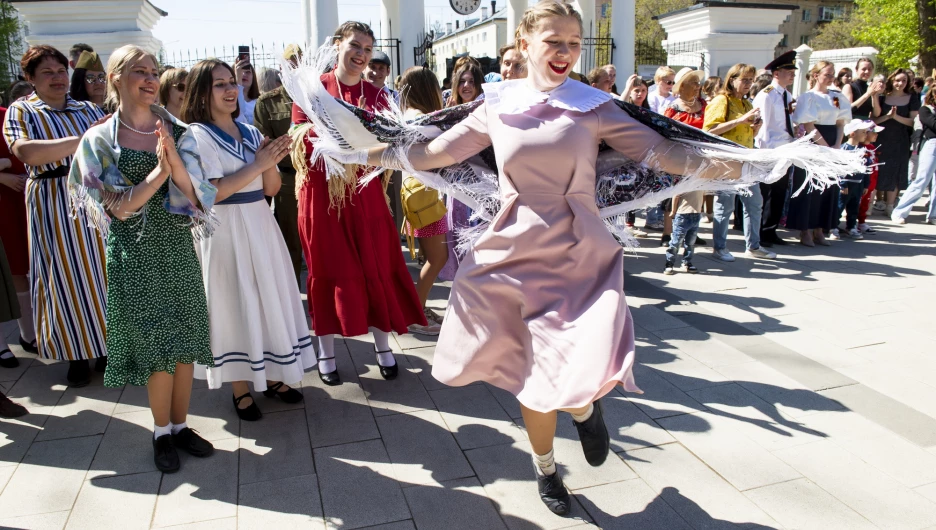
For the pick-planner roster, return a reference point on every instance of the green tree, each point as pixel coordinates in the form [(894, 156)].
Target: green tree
[(11, 45), (891, 26), (840, 33)]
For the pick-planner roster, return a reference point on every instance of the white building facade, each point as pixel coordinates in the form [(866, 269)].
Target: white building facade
[(481, 37)]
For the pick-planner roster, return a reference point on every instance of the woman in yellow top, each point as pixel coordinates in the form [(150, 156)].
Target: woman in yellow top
[(731, 116)]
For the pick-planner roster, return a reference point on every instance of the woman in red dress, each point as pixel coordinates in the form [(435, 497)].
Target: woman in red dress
[(15, 240), (358, 281)]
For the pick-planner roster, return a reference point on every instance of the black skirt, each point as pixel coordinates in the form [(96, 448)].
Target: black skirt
[(812, 208)]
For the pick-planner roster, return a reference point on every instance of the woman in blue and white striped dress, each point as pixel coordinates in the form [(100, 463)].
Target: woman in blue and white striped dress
[(66, 255)]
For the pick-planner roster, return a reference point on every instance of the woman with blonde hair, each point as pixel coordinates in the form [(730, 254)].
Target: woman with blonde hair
[(826, 112), (172, 90), (130, 180)]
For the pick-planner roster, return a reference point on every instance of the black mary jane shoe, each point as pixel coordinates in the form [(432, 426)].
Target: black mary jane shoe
[(79, 373), (29, 347), (8, 362), (331, 378), (193, 444), (251, 413), (388, 372), (288, 396), (553, 492), (165, 455), (593, 433)]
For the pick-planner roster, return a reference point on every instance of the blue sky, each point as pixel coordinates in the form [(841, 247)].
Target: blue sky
[(207, 23)]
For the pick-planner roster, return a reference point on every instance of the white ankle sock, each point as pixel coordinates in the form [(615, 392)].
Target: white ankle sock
[(176, 427), (326, 350), (159, 431), (26, 326), (546, 464), (6, 354), (588, 413), (382, 344)]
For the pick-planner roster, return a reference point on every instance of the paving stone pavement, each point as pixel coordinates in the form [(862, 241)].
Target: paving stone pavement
[(797, 393)]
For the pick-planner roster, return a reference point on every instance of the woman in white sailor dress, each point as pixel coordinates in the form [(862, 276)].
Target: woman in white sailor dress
[(259, 332)]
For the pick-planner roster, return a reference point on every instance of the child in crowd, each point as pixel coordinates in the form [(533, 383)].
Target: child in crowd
[(853, 185), (864, 208), (687, 209)]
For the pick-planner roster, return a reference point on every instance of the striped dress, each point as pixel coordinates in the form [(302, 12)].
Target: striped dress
[(66, 254)]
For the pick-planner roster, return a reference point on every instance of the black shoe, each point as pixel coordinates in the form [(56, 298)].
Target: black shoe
[(331, 378), (165, 455), (79, 373), (29, 347), (665, 239), (553, 492), (251, 413), (193, 444), (388, 372), (701, 242), (100, 365), (593, 433), (9, 409), (690, 268), (288, 396), (8, 362)]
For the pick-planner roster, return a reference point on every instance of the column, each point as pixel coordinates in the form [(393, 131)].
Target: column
[(587, 9), (320, 19), (515, 9), (623, 29), (801, 83), (412, 27)]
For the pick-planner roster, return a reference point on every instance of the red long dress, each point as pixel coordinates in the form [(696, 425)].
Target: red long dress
[(13, 231), (357, 275)]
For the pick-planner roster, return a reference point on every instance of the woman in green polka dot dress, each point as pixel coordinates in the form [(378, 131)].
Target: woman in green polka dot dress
[(130, 179)]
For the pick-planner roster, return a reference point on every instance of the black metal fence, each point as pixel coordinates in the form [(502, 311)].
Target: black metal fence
[(422, 54), (596, 51), (673, 54), (261, 55)]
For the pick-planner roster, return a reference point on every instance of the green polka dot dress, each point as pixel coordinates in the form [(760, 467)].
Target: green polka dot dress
[(157, 314)]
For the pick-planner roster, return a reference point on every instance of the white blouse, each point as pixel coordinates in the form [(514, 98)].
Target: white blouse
[(821, 109)]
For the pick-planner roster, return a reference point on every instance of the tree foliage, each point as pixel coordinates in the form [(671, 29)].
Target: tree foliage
[(840, 33), (11, 45), (649, 30), (891, 26)]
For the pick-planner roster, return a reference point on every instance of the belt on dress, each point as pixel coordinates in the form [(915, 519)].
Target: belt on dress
[(61, 171), (245, 197)]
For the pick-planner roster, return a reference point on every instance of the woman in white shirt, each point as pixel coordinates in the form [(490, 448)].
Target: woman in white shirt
[(248, 90)]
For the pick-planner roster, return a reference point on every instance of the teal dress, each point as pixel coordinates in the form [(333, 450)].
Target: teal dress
[(157, 314)]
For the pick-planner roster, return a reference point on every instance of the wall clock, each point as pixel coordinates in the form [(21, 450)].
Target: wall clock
[(465, 7)]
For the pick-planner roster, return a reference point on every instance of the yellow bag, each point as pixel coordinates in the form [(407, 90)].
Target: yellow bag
[(421, 207)]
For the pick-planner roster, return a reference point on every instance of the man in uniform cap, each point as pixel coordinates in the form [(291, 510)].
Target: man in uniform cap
[(774, 103), (377, 71), (273, 117)]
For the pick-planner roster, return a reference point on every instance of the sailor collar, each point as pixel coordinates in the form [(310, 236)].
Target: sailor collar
[(517, 96), (251, 139)]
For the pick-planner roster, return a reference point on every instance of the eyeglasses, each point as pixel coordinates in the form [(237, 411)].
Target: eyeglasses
[(179, 86), (98, 78)]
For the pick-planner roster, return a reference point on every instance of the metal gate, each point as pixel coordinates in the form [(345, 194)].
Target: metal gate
[(649, 53), (596, 51), (392, 48), (422, 54)]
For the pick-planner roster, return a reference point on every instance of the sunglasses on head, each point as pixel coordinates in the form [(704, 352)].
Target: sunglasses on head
[(179, 86)]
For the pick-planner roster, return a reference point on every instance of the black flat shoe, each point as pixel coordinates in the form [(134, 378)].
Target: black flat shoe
[(388, 372), (193, 444), (9, 409), (288, 396), (165, 455), (251, 413), (553, 492), (8, 362), (331, 378), (79, 373), (100, 365), (593, 433), (29, 347), (700, 242)]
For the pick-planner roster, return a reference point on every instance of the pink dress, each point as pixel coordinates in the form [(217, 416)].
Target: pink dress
[(537, 307)]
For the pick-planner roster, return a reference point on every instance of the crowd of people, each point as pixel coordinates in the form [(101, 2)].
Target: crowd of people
[(139, 234)]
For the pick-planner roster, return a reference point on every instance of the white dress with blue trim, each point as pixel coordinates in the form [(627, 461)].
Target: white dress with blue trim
[(259, 329)]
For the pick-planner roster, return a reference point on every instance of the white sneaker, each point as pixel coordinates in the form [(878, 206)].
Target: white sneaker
[(879, 206), (866, 228), (854, 233), (637, 232), (931, 221), (900, 221), (432, 317), (723, 254), (834, 234), (760, 253), (431, 330)]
